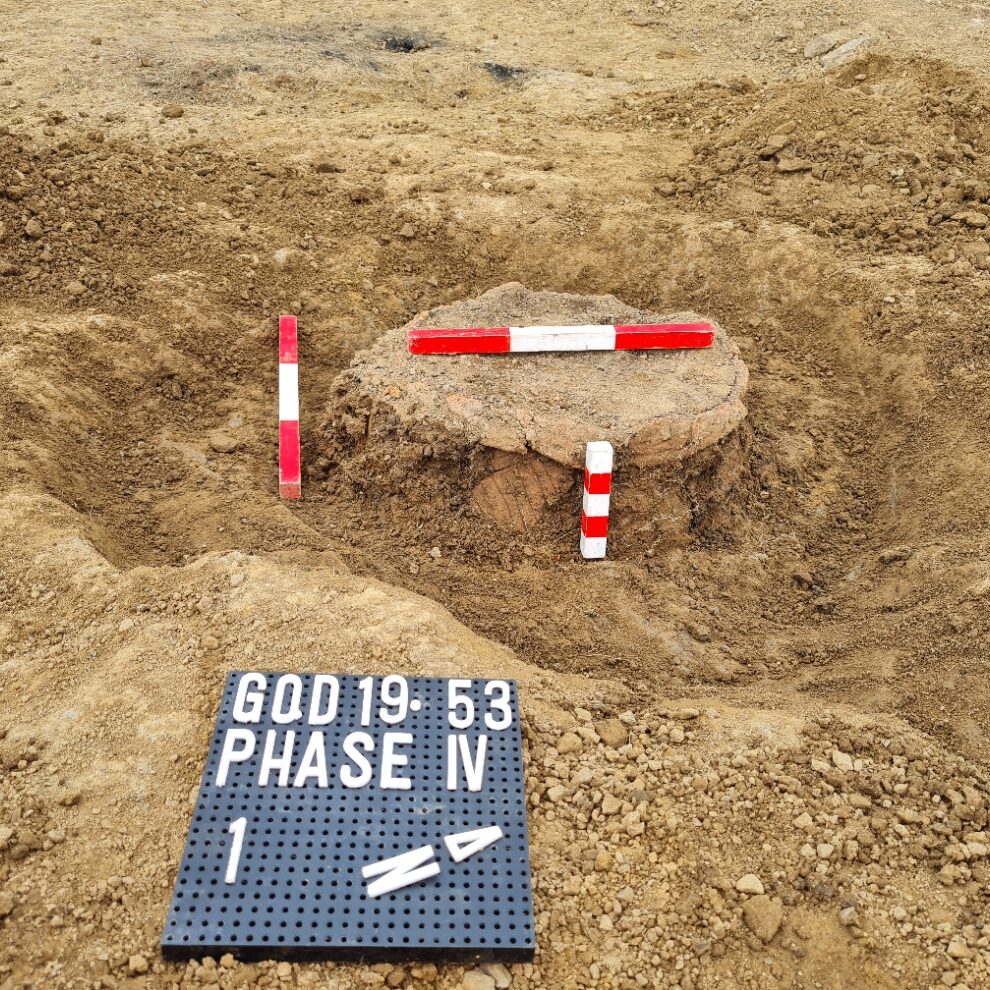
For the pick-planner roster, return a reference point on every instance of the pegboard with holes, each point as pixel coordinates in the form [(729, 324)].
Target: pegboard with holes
[(358, 818)]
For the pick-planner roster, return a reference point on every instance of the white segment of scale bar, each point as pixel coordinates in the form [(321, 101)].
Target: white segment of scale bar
[(595, 505), (288, 392), (586, 338), (593, 547)]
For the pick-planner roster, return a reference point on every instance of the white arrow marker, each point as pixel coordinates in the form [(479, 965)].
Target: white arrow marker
[(400, 871), (466, 844)]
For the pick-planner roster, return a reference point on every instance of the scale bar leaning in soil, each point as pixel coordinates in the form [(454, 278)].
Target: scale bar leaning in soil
[(595, 503)]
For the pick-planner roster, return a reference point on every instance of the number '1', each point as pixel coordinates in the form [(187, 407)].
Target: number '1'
[(236, 829)]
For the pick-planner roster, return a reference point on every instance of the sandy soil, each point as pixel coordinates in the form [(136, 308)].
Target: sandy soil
[(795, 691)]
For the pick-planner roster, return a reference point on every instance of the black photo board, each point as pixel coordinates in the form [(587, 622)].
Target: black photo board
[(372, 818)]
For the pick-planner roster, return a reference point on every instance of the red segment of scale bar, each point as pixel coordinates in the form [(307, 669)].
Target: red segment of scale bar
[(289, 460), (593, 526), (597, 484), (663, 336), (476, 340)]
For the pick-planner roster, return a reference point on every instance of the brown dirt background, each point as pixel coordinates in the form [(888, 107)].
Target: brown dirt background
[(357, 166)]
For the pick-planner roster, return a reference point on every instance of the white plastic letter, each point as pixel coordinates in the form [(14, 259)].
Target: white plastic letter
[(458, 752), (320, 681), (466, 844), (313, 763), (401, 871), (499, 704), (400, 704), (364, 686), (455, 699), (269, 761), (391, 760), (236, 829), (279, 715), (351, 742), (230, 755), (256, 698)]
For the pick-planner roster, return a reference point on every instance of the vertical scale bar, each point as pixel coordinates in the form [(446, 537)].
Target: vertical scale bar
[(289, 457), (597, 493)]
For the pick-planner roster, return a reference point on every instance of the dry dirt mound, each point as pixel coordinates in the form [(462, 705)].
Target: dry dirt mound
[(506, 434), (655, 407)]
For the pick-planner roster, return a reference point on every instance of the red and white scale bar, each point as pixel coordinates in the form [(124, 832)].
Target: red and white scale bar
[(289, 460), (523, 340), (597, 493)]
